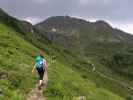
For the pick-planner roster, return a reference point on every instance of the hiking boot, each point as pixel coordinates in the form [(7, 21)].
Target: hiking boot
[(39, 87)]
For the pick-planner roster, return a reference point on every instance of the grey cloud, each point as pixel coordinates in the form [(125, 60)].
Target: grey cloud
[(113, 10)]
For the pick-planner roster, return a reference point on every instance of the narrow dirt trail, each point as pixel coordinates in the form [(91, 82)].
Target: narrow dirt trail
[(36, 94)]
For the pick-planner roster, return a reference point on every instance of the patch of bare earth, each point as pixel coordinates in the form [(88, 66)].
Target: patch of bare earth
[(37, 94)]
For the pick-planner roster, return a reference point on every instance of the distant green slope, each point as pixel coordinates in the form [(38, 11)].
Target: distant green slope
[(16, 62)]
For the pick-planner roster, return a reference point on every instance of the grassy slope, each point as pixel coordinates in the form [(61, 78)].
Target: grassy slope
[(102, 77), (16, 62)]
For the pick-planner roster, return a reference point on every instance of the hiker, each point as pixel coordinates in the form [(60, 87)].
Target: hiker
[(41, 67)]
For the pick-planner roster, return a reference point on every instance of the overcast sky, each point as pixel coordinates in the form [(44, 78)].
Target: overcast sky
[(117, 12)]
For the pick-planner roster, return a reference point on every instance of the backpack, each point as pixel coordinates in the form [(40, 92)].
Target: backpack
[(39, 62)]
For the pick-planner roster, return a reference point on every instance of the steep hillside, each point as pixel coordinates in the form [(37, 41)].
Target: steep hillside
[(15, 64)]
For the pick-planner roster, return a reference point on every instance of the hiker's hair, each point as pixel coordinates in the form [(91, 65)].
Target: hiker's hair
[(41, 55)]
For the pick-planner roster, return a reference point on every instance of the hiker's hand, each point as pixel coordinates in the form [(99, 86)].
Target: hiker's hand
[(33, 71)]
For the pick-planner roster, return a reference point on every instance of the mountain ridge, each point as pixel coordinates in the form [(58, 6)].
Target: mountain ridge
[(80, 32)]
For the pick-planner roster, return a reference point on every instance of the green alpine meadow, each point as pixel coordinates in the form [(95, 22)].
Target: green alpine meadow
[(86, 61)]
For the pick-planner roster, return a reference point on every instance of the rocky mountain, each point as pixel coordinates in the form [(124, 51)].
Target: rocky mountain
[(73, 33)]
